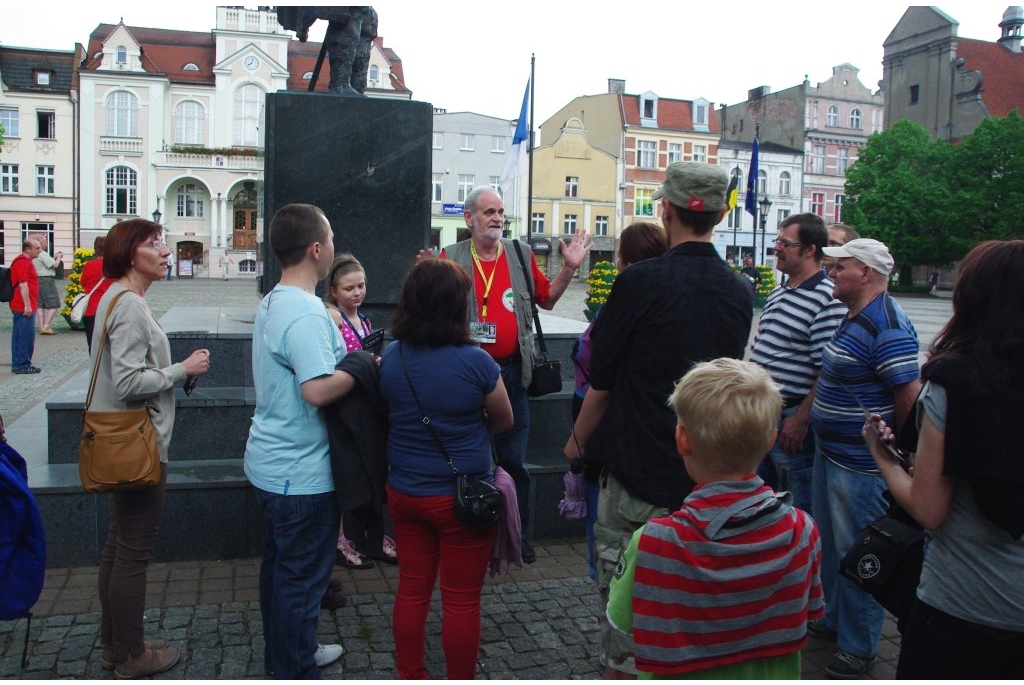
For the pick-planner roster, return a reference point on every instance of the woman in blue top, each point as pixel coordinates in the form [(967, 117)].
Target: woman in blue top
[(460, 389)]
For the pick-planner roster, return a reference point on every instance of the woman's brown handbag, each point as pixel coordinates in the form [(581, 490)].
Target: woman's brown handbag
[(118, 450)]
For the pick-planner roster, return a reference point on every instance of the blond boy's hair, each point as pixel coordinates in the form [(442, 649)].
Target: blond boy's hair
[(729, 408)]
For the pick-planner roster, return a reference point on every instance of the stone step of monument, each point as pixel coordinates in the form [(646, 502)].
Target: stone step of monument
[(210, 512), (214, 422)]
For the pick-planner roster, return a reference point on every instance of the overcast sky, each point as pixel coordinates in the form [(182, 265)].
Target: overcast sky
[(473, 56)]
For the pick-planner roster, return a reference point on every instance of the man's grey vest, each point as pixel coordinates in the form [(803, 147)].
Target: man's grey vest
[(460, 254)]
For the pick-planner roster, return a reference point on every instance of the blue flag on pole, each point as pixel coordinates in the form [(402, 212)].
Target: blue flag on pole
[(515, 163), (750, 204)]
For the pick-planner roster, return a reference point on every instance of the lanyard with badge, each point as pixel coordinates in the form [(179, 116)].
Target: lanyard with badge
[(482, 331)]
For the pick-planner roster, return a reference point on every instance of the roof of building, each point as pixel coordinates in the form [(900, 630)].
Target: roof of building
[(762, 147), (673, 115), (18, 67), (1002, 74), (166, 51)]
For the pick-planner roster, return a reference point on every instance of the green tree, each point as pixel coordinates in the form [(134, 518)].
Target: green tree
[(899, 192), (988, 177)]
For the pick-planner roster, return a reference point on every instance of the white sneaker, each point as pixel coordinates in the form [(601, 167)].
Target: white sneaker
[(328, 654)]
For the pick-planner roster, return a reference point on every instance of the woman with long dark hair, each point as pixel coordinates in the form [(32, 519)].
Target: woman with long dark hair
[(135, 369), (435, 365), (967, 487)]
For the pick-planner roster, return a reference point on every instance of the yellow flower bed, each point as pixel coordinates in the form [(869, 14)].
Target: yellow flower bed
[(74, 286)]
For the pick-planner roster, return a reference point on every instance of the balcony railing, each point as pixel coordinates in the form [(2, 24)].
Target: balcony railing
[(120, 146), (194, 160)]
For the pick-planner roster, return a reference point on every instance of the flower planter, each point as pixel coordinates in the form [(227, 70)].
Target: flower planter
[(80, 326), (599, 286)]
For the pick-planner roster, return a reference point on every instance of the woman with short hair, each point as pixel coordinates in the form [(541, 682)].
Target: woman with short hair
[(434, 362), (135, 370)]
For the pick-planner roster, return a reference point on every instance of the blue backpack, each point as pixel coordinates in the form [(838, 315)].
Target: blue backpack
[(22, 542)]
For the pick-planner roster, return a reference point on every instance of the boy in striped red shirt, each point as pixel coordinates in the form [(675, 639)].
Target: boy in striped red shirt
[(726, 584)]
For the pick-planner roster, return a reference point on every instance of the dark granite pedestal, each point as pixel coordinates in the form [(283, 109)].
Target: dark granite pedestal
[(210, 510), (366, 162)]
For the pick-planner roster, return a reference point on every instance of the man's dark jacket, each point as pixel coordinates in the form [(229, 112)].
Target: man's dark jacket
[(357, 431)]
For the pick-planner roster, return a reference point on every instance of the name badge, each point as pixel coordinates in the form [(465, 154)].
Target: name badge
[(483, 332)]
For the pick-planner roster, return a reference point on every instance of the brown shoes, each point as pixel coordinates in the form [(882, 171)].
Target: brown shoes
[(152, 660), (48, 331), (108, 661)]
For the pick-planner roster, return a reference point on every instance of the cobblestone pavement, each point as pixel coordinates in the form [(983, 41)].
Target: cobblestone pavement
[(538, 623)]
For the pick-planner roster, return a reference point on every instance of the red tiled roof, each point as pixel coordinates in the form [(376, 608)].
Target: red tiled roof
[(163, 52), (673, 115), (1002, 74), (302, 58), (166, 51)]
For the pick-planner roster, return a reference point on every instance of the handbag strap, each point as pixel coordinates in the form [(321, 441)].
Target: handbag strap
[(96, 286), (99, 351), (533, 303), (424, 418)]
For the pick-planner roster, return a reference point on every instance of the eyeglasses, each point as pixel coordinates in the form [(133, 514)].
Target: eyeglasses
[(779, 242), (157, 245)]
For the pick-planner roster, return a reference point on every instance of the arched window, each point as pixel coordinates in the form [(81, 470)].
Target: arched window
[(374, 74), (190, 201), (248, 111), (832, 116), (855, 119), (189, 123), (122, 191), (762, 182), (247, 266), (122, 114), (785, 184), (191, 66), (122, 55)]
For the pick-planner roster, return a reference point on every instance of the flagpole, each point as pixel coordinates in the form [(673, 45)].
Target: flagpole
[(529, 181)]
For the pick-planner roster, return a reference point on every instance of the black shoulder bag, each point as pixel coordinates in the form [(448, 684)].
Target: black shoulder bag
[(885, 560), (547, 374), (476, 503)]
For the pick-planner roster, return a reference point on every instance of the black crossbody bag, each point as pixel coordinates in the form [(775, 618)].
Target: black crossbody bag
[(547, 374)]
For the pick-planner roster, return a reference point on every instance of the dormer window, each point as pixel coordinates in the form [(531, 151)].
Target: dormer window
[(308, 76), (122, 55), (191, 66), (700, 115), (42, 78), (374, 73), (649, 110)]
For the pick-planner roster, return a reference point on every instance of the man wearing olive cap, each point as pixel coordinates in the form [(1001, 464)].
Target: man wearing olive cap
[(663, 315), (870, 360)]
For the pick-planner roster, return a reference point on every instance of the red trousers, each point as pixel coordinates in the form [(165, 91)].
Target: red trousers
[(430, 539)]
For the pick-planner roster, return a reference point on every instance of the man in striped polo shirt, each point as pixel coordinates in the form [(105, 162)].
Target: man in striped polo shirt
[(797, 321), (870, 362)]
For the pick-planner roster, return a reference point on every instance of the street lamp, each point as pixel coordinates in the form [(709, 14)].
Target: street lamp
[(157, 215), (765, 204), (508, 224)]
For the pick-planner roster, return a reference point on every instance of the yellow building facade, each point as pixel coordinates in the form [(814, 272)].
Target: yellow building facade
[(575, 188)]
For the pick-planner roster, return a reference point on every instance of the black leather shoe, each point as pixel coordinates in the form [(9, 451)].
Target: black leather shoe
[(529, 556)]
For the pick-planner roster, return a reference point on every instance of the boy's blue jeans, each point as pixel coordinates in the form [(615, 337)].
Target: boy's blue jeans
[(299, 539)]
